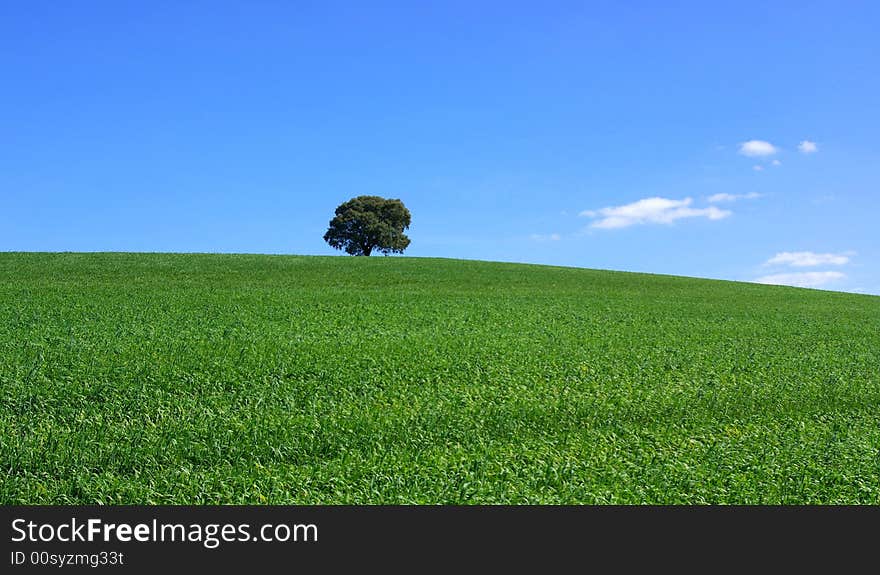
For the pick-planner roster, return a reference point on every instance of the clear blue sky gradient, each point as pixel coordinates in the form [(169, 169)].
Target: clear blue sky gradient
[(239, 127)]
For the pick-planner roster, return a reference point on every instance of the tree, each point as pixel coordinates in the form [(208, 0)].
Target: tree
[(368, 223)]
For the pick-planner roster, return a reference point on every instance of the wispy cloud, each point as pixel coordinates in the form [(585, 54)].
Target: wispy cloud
[(776, 163), (719, 198), (808, 147), (758, 168), (545, 237), (808, 259), (802, 279), (825, 199), (651, 211), (757, 148)]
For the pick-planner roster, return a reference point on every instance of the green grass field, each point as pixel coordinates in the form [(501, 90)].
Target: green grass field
[(215, 379)]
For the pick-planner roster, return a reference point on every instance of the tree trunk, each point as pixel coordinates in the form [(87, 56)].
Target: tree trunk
[(367, 250)]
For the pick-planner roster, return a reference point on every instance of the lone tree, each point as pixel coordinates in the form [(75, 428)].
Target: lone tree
[(368, 223)]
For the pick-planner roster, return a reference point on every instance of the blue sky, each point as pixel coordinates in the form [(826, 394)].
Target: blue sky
[(735, 141)]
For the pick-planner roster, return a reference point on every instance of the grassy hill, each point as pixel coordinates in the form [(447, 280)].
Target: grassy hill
[(189, 379)]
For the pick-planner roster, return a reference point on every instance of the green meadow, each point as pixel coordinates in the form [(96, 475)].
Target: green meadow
[(224, 379)]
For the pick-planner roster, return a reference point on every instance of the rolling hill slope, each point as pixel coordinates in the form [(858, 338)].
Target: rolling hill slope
[(190, 379)]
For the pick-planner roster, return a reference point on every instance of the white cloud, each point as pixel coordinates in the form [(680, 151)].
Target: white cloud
[(757, 148), (808, 147), (808, 259), (651, 211), (776, 163), (802, 279), (718, 198), (545, 237), (758, 168)]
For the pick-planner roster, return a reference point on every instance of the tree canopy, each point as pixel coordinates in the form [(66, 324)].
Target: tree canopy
[(367, 223)]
